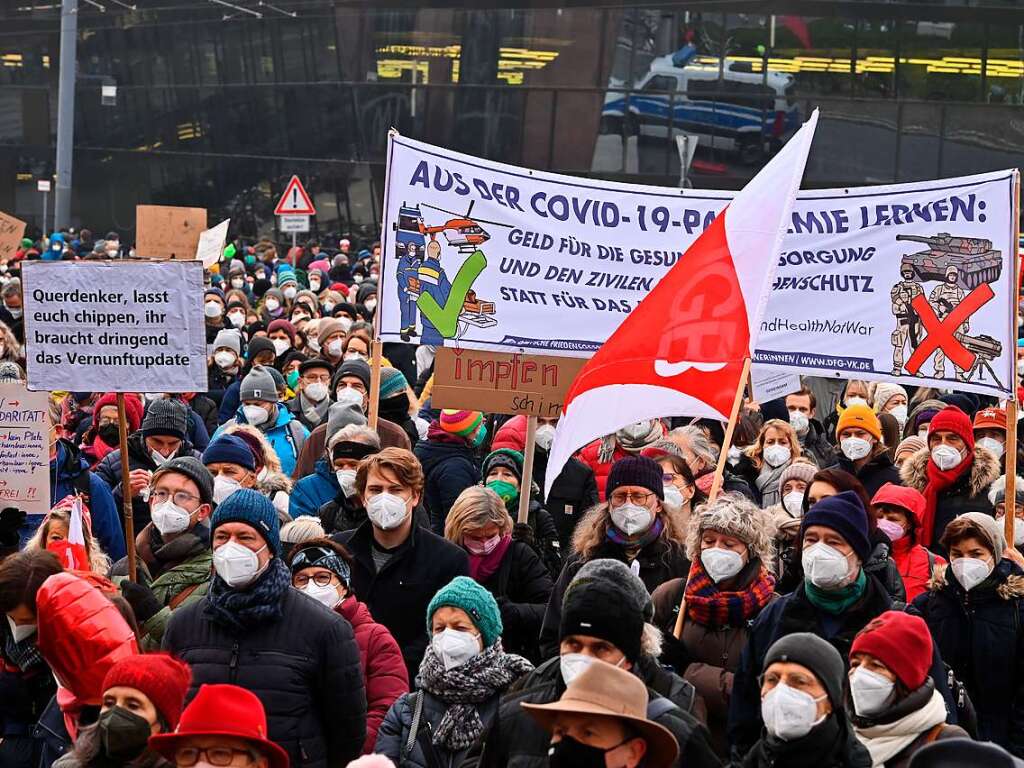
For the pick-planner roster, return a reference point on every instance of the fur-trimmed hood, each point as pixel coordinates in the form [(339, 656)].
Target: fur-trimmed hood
[(273, 482), (737, 516), (984, 471), (1012, 588)]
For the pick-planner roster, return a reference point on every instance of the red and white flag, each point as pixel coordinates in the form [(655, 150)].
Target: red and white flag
[(681, 352)]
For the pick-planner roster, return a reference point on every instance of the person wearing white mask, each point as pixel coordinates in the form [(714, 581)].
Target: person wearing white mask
[(174, 557), (225, 363), (997, 495), (990, 432), (788, 513), (313, 393), (398, 565), (803, 709), (803, 417), (892, 701), (213, 312), (984, 646), (231, 462), (890, 398), (252, 629), (680, 487), (861, 450), (463, 674), (349, 441), (321, 569), (331, 337), (764, 461)]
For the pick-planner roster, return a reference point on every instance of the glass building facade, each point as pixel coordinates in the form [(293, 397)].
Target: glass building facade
[(215, 107)]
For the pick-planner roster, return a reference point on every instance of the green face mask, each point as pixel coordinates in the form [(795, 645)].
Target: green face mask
[(250, 259), (293, 379), (480, 436), (505, 490)]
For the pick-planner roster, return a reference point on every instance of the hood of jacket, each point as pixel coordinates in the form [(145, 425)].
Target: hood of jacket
[(324, 470), (69, 462), (1011, 587), (283, 417), (432, 453), (274, 482), (984, 471)]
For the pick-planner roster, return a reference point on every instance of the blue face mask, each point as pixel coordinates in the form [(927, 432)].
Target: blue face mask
[(481, 435)]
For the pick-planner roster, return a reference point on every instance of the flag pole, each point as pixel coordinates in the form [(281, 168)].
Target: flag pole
[(716, 483), (1010, 501), (126, 487), (526, 484)]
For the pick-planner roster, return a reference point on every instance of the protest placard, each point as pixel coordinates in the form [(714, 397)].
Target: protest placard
[(24, 449), (483, 255), (115, 326), (498, 382), (167, 231), (771, 384), (11, 232), (211, 244)]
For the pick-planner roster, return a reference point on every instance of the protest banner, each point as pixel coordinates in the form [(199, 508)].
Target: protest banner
[(167, 231), (11, 232), (483, 255), (115, 326), (24, 450), (498, 382), (211, 244)]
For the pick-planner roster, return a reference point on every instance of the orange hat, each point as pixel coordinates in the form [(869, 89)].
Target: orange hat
[(990, 418), (859, 416)]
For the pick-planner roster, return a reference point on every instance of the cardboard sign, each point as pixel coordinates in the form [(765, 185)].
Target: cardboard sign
[(498, 382), (24, 449), (211, 244), (115, 326), (11, 232), (168, 232)]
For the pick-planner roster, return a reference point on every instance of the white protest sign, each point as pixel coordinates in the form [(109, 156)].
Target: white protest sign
[(484, 255), (211, 244), (115, 326), (769, 385), (24, 449)]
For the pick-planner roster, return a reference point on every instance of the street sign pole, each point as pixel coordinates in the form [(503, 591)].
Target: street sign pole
[(43, 185)]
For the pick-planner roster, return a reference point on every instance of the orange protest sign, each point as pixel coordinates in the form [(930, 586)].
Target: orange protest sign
[(167, 231)]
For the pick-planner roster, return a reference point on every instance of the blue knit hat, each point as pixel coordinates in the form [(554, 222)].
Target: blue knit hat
[(844, 513), (392, 382), (463, 592), (231, 450), (253, 508)]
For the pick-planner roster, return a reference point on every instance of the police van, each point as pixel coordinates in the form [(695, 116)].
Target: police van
[(744, 112)]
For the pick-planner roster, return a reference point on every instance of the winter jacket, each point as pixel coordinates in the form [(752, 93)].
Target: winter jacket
[(197, 433), (109, 470), (342, 513), (147, 760), (286, 436), (815, 445), (522, 586), (658, 563), (590, 455), (878, 471), (384, 673), (968, 494), (449, 467), (831, 744), (915, 565), (543, 535), (178, 573), (313, 491), (24, 694), (399, 593), (980, 635), (205, 410), (517, 741), (304, 666), (391, 436), (217, 382), (394, 732), (69, 474)]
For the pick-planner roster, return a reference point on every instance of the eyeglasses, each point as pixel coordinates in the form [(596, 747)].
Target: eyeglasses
[(221, 756), (105, 422), (181, 498), (320, 579), (637, 497)]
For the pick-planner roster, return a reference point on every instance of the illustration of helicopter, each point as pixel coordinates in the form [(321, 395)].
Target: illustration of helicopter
[(462, 233)]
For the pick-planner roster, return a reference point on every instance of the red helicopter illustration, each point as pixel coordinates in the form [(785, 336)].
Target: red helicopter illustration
[(466, 233)]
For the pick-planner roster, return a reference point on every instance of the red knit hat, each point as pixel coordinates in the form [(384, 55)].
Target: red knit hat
[(952, 419), (160, 676), (900, 641)]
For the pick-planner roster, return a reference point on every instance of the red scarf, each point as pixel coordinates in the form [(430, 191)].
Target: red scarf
[(938, 481), (709, 606), (482, 567)]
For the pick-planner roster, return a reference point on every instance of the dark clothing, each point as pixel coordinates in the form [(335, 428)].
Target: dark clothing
[(217, 382), (205, 409), (450, 468), (522, 586), (573, 493), (295, 406), (880, 565), (25, 690), (342, 513), (391, 436), (394, 732), (832, 744), (69, 474), (304, 666), (878, 471), (399, 593), (816, 446)]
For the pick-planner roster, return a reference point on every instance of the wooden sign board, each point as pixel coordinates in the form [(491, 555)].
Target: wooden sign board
[(11, 232), (498, 382), (168, 232)]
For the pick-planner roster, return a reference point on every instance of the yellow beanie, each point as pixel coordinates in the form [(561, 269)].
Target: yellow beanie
[(859, 416)]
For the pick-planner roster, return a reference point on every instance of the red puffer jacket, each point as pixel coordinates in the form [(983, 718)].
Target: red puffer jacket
[(383, 666), (589, 456), (915, 564)]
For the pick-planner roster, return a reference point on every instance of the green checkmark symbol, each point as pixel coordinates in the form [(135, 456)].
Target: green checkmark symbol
[(446, 318)]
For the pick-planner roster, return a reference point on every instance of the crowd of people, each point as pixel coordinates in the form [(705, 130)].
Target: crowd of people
[(325, 575)]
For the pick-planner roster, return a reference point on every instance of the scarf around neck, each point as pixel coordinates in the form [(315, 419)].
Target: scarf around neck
[(938, 481), (650, 535), (711, 607), (259, 603), (482, 567), (314, 412), (767, 483), (884, 742), (836, 601), (465, 687)]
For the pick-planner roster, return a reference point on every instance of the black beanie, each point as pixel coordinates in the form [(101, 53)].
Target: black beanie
[(607, 600), (817, 655), (636, 470), (167, 418)]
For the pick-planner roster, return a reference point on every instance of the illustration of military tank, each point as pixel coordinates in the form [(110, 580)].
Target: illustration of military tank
[(975, 259)]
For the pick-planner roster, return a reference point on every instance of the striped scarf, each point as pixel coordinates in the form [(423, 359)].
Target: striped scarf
[(708, 605)]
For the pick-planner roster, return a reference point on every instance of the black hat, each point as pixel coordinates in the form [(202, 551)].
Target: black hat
[(314, 362), (607, 600), (260, 344), (358, 368), (165, 417), (636, 470), (817, 655), (958, 752), (193, 469)]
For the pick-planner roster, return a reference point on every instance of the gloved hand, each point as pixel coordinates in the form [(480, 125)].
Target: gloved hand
[(524, 532), (141, 599), (11, 520)]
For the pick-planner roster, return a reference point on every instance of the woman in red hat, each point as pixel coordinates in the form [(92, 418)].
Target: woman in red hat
[(898, 511)]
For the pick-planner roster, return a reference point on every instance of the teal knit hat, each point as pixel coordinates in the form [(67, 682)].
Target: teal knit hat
[(253, 508), (392, 382), (462, 592)]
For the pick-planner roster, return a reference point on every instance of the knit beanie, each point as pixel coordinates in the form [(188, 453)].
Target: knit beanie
[(161, 677), (259, 344), (809, 650), (228, 338), (302, 529), (278, 377), (736, 516), (884, 392), (997, 491), (844, 513), (341, 415), (965, 401), (286, 276), (166, 417), (366, 289), (798, 470), (478, 603), (504, 457), (608, 601), (952, 419), (462, 423), (357, 368), (259, 385), (859, 416), (990, 528), (248, 506), (214, 292), (230, 449), (636, 470), (392, 382), (902, 642), (914, 443), (193, 469), (328, 328), (318, 556), (282, 325)]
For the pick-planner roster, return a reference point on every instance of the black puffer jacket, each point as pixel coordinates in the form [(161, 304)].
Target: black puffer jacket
[(816, 446), (573, 493), (880, 565), (449, 468), (878, 471), (304, 667), (522, 586)]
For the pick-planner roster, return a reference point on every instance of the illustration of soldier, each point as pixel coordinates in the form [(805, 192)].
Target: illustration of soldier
[(907, 321), (408, 288), (944, 300), (434, 282)]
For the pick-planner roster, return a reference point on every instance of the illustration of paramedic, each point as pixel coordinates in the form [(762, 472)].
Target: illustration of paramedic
[(408, 288), (433, 281)]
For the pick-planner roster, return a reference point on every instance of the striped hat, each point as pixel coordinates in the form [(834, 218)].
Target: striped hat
[(392, 382), (461, 423)]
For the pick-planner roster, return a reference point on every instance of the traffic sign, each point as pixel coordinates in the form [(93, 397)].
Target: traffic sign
[(43, 185), (295, 200), (293, 223)]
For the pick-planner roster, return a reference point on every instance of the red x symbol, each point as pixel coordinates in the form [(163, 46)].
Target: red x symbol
[(940, 332)]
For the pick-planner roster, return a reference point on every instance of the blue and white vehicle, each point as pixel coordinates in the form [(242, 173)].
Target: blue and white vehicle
[(409, 229), (745, 112)]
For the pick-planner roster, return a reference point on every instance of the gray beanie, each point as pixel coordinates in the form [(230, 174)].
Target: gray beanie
[(229, 339), (618, 573), (991, 528), (341, 415), (809, 650), (193, 469), (165, 417), (258, 385)]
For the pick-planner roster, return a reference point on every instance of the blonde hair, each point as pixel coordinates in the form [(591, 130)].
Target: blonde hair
[(302, 529), (99, 563), (756, 451), (476, 507)]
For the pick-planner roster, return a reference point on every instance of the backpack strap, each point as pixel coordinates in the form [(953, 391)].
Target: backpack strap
[(934, 733), (182, 596), (414, 726), (659, 706)]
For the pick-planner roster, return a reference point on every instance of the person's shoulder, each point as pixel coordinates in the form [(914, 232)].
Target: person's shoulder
[(436, 545)]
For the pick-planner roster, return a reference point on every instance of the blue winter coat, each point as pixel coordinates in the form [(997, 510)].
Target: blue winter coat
[(229, 401), (286, 436), (313, 491), (450, 468)]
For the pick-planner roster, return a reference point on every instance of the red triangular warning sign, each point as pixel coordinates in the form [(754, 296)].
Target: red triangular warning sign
[(294, 201)]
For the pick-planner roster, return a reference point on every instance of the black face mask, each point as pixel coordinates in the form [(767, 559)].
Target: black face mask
[(569, 753), (110, 434), (123, 734)]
